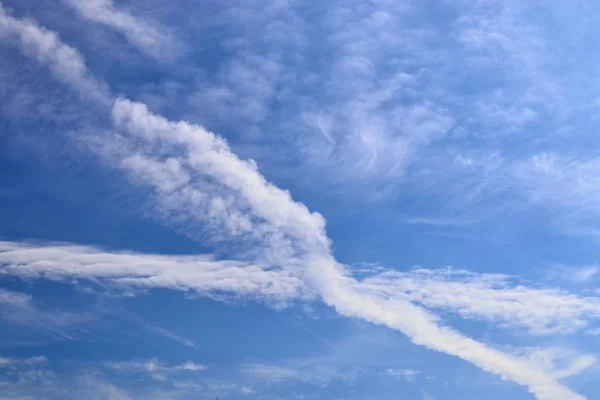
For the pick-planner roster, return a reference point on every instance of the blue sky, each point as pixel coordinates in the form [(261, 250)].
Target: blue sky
[(299, 200)]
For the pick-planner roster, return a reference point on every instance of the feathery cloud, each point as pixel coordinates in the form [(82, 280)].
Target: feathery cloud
[(490, 297), (148, 37), (155, 368), (9, 362), (19, 309), (407, 374), (46, 46)]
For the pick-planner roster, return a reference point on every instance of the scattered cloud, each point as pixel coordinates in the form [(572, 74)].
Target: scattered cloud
[(153, 367), (271, 372), (247, 390), (571, 274), (33, 379), (319, 375), (594, 332), (408, 374), (9, 362), (20, 309)]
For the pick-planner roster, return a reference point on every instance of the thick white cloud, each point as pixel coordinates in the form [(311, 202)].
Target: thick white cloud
[(202, 274)]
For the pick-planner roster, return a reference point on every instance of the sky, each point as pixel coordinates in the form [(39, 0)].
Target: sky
[(283, 199)]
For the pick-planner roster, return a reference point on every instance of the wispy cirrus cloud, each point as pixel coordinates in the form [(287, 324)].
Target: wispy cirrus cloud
[(382, 110), (373, 117), (577, 275), (594, 332), (407, 374), (46, 46), (319, 375), (33, 378), (478, 186), (147, 36), (154, 368), (36, 377), (19, 309), (9, 362), (494, 298), (561, 362)]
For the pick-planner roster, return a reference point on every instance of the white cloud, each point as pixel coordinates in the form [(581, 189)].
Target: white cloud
[(407, 374), (247, 390), (442, 221), (209, 155), (423, 329), (20, 309), (35, 378), (65, 62), (356, 113), (320, 374), (229, 194), (155, 41), (495, 298), (479, 185), (594, 332), (10, 362), (244, 89), (271, 372), (202, 274), (571, 274), (557, 181), (36, 381), (168, 334), (370, 117), (560, 362), (348, 297), (155, 368)]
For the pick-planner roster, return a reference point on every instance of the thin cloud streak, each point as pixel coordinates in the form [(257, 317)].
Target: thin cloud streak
[(19, 309), (149, 38), (155, 368)]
